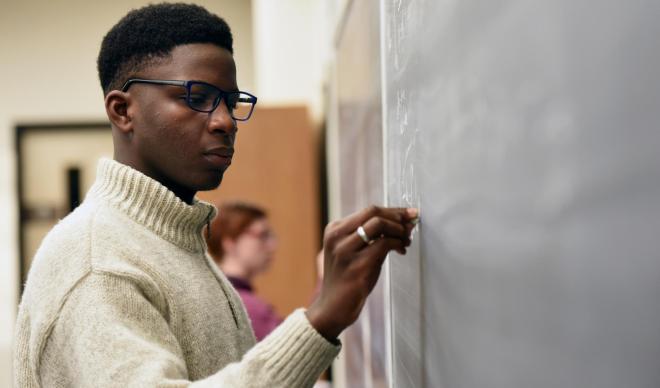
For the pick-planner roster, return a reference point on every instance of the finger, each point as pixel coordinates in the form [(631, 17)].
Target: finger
[(378, 227), (351, 223), (377, 251), (374, 255), (375, 228)]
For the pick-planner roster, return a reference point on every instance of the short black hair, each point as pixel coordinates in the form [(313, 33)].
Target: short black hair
[(147, 35)]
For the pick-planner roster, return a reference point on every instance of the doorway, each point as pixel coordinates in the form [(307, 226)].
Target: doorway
[(56, 165)]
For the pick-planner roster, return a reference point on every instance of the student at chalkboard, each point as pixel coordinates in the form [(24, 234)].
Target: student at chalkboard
[(122, 292)]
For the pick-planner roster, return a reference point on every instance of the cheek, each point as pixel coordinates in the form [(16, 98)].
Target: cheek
[(173, 131), (250, 251), (242, 247)]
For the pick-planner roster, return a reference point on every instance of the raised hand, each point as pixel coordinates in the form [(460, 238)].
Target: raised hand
[(353, 261)]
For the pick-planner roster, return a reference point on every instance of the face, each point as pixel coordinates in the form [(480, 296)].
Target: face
[(185, 150), (254, 248)]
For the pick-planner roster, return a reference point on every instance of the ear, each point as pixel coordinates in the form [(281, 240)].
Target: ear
[(116, 107)]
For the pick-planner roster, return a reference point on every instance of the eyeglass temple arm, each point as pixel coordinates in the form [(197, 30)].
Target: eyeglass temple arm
[(131, 81)]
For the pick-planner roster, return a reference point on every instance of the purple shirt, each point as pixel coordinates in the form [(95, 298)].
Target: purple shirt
[(263, 317)]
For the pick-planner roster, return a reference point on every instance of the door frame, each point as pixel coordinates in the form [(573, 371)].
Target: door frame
[(19, 134)]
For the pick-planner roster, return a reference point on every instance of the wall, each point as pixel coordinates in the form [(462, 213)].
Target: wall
[(359, 128), (292, 49)]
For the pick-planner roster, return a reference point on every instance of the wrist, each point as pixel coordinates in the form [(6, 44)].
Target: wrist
[(327, 329)]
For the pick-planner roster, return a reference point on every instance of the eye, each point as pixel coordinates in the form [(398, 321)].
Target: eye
[(199, 98), (232, 101)]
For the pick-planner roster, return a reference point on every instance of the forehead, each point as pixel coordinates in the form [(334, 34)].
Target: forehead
[(198, 61)]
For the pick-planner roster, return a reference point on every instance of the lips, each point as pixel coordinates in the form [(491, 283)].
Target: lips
[(225, 152), (219, 157)]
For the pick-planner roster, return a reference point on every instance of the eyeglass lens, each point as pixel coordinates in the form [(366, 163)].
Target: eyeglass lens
[(205, 98)]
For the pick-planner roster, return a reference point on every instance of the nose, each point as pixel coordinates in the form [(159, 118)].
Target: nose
[(220, 120)]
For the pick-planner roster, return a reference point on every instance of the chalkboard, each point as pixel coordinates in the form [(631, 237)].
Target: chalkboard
[(528, 133)]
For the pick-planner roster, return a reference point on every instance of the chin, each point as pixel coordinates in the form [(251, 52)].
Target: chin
[(210, 182)]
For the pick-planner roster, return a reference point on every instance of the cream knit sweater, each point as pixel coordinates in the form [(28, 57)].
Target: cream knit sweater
[(122, 294)]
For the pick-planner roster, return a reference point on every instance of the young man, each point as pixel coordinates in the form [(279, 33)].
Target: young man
[(122, 293)]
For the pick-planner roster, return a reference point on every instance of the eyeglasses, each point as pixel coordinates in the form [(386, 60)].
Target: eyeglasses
[(204, 97)]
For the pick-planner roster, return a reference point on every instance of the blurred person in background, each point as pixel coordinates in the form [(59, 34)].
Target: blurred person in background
[(243, 244)]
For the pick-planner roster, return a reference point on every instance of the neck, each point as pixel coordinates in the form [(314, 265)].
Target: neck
[(151, 204), (183, 193)]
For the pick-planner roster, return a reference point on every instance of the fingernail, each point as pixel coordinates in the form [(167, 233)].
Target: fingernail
[(412, 212)]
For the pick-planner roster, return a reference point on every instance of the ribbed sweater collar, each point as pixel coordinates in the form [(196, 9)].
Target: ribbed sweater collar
[(152, 205)]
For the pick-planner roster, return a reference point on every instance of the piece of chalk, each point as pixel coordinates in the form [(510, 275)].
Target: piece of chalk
[(415, 221)]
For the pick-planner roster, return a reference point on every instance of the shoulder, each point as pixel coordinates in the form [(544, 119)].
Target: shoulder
[(72, 249), (81, 249), (63, 258)]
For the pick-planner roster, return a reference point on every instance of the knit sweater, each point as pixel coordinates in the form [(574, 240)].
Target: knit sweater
[(122, 293)]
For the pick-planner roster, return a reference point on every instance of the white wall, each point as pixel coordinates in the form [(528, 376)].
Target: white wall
[(293, 44), (48, 75)]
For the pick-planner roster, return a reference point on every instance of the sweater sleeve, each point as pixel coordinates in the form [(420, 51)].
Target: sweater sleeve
[(111, 333)]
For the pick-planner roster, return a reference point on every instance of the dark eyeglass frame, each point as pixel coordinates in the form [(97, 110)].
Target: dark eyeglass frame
[(222, 95)]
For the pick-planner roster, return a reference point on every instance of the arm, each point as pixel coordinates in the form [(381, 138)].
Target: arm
[(113, 333)]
